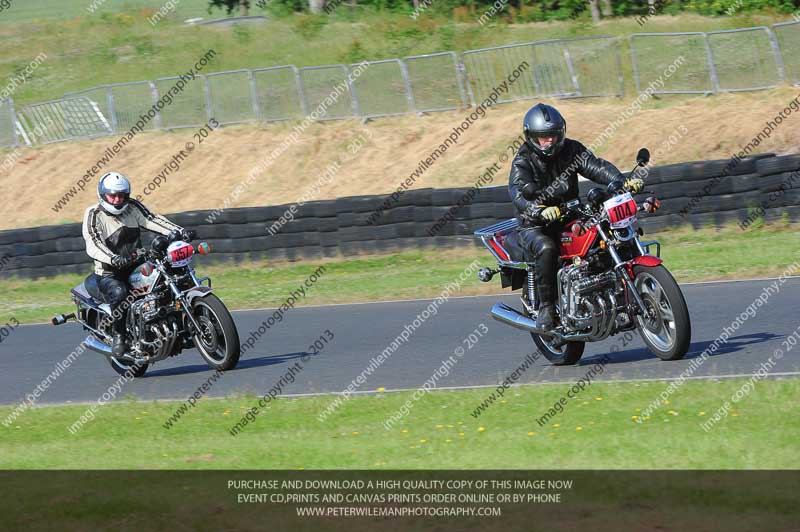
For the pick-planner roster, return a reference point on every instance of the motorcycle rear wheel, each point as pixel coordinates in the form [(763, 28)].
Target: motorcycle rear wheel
[(126, 368), (566, 354)]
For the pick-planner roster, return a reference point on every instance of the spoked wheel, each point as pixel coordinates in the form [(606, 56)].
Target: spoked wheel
[(218, 341), (667, 329), (557, 353)]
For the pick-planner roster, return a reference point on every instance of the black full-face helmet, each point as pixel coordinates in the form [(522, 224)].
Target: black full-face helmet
[(543, 121)]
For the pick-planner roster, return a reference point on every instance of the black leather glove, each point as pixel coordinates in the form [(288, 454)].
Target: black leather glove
[(188, 235), (121, 263)]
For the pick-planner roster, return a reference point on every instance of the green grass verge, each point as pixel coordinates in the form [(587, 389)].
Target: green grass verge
[(596, 430), (706, 254)]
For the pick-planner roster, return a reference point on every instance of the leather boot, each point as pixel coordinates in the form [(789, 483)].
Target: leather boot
[(547, 316), (119, 347), (547, 312)]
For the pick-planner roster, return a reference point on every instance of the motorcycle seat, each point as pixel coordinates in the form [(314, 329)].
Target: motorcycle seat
[(89, 292)]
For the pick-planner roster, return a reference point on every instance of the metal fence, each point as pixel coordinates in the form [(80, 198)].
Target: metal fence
[(788, 35), (8, 129), (743, 59), (731, 60)]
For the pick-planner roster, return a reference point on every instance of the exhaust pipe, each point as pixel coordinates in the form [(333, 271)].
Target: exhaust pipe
[(96, 345), (510, 316)]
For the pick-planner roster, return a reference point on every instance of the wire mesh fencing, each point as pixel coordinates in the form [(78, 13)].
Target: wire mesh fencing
[(731, 60), (744, 59), (788, 37)]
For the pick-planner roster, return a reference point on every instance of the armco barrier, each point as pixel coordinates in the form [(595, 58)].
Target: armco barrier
[(341, 226)]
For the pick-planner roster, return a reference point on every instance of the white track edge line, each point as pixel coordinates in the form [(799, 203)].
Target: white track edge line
[(446, 388)]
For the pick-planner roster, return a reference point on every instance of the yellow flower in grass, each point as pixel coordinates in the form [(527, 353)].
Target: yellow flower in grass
[(701, 413), (531, 433), (448, 440), (404, 431), (481, 429), (423, 440), (634, 417), (439, 426), (556, 425), (381, 389), (355, 433), (598, 398), (503, 402), (578, 428), (461, 434)]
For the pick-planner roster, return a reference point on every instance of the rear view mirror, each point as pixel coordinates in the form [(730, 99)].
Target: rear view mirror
[(643, 157)]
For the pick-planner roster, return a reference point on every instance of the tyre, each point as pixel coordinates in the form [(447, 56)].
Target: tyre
[(127, 368), (668, 333), (218, 342), (565, 354)]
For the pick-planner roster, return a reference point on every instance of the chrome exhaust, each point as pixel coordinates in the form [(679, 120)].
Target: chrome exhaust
[(510, 316), (96, 345)]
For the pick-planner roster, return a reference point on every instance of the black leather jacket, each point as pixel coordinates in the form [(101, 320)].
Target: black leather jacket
[(556, 179)]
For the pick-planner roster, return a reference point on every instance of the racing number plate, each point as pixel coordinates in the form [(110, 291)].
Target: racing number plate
[(180, 254), (621, 210)]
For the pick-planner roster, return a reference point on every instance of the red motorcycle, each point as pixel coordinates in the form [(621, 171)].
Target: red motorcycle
[(607, 280)]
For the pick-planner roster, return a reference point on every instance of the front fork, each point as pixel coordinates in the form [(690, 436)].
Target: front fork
[(621, 268)]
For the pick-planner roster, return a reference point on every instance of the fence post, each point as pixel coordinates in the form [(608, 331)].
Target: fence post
[(712, 68), (572, 74), (460, 79), (536, 86), (467, 80), (254, 95), (352, 88), (112, 111), (407, 82), (301, 93), (208, 98), (618, 56), (154, 96), (776, 49), (635, 65), (13, 116)]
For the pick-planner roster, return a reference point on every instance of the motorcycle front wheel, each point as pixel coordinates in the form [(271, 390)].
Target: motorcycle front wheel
[(218, 341), (668, 331)]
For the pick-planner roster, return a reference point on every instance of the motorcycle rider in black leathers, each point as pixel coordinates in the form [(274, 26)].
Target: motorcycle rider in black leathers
[(551, 162), (112, 231)]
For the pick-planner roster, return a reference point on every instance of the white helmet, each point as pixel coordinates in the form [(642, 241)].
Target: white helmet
[(113, 183)]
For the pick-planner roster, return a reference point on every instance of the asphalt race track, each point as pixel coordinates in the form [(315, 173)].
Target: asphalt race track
[(362, 331)]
